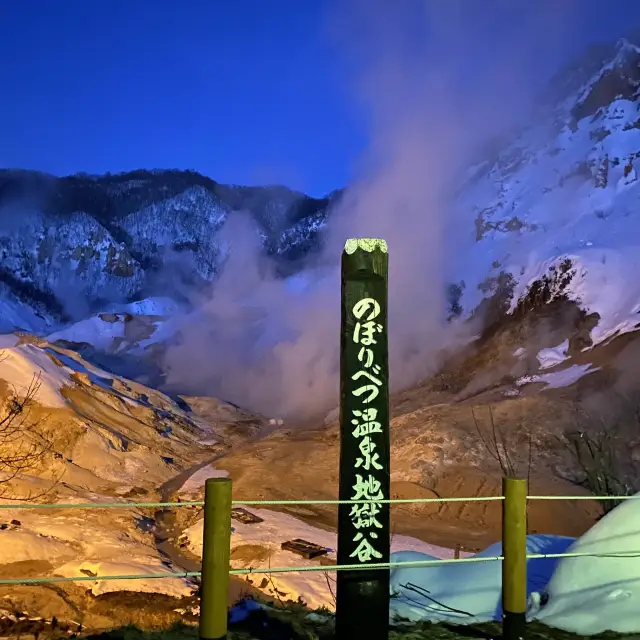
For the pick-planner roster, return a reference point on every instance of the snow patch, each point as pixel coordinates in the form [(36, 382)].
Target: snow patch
[(95, 331), (153, 306), (176, 587), (557, 379), (464, 593), (196, 482), (553, 356)]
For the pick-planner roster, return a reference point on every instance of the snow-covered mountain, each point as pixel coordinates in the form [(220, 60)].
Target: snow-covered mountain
[(69, 244), (556, 212), (549, 214)]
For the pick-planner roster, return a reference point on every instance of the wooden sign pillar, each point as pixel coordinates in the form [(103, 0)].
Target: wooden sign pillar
[(362, 595)]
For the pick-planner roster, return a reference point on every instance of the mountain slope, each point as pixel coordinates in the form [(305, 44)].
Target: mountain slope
[(550, 212), (69, 244), (98, 438), (555, 213)]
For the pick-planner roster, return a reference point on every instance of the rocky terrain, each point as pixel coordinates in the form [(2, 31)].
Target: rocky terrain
[(83, 436)]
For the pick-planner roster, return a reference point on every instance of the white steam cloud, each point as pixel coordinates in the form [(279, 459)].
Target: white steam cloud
[(433, 81)]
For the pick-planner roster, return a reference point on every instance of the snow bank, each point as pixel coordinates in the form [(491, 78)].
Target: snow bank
[(600, 592), (314, 588), (464, 593), (20, 364), (20, 545), (176, 587)]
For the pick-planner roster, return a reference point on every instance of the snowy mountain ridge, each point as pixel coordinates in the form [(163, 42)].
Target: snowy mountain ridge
[(123, 237), (551, 213), (560, 201)]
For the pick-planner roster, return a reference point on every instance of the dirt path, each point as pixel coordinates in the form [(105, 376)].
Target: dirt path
[(165, 519), (166, 531)]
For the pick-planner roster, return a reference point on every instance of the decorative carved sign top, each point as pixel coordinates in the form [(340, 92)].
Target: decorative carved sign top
[(366, 244)]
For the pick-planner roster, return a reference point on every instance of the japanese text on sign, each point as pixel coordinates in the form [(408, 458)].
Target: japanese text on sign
[(364, 420)]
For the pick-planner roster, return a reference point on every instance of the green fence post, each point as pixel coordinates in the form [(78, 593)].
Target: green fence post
[(362, 595), (214, 586), (514, 564)]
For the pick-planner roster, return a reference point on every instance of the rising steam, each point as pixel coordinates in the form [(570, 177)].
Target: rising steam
[(432, 90)]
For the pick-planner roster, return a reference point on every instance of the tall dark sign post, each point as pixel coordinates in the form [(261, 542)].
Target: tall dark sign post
[(362, 595)]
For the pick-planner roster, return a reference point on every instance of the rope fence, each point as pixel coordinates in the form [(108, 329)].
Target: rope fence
[(200, 503), (217, 530), (313, 569)]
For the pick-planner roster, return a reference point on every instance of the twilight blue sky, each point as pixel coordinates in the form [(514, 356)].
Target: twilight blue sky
[(245, 91)]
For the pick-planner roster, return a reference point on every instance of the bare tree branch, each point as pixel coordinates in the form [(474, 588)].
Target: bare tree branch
[(24, 444), (503, 446), (600, 467)]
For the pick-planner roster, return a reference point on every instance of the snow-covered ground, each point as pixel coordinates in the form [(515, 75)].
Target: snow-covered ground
[(84, 543), (21, 364), (315, 588), (585, 594), (16, 315), (93, 459), (195, 482)]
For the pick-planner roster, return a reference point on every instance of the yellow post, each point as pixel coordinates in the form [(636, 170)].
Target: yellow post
[(214, 587), (514, 551)]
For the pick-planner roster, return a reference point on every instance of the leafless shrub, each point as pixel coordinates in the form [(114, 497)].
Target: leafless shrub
[(23, 442), (331, 584), (603, 447), (600, 466), (504, 446)]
